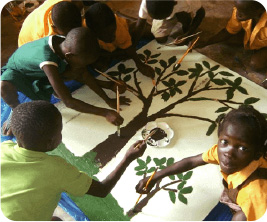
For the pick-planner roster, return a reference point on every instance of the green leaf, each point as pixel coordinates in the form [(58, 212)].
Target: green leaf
[(242, 90), (152, 169), (199, 99), (155, 56), (194, 74), (180, 83), (211, 75), (148, 160), (230, 93), (170, 161), (157, 161), (181, 185), (192, 70), (128, 70), (121, 68), (165, 96), (180, 176), (211, 129), (223, 73), (178, 90), (199, 67), (215, 68), (172, 92), (251, 100), (228, 81), (222, 109), (141, 162), (172, 60), (152, 61), (188, 175), (113, 73), (165, 83), (163, 63), (206, 64), (163, 160), (141, 57), (182, 198), (138, 168), (182, 73), (238, 81), (127, 78), (147, 52), (172, 81), (172, 177), (140, 173), (186, 190), (157, 70), (172, 196), (218, 82), (162, 167)]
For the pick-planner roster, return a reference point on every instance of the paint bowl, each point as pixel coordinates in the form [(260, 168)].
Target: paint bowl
[(162, 137)]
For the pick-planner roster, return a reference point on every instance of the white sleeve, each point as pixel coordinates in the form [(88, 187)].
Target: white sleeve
[(143, 10)]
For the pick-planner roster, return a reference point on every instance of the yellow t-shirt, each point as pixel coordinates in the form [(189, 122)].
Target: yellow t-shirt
[(254, 39), (123, 38), (252, 198), (38, 23)]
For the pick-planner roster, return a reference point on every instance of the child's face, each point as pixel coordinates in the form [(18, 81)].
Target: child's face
[(235, 147), (108, 34)]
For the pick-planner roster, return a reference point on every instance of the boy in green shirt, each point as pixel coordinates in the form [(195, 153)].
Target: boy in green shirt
[(31, 180)]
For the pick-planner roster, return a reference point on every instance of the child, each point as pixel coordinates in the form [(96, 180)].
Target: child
[(241, 154), (166, 15), (114, 37), (51, 18), (40, 68), (31, 180), (251, 17)]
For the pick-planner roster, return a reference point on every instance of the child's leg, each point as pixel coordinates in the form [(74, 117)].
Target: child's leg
[(258, 59)]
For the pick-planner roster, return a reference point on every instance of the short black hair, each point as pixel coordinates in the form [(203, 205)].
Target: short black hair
[(99, 16), (66, 16), (252, 5), (247, 114), (33, 121), (160, 9), (82, 40)]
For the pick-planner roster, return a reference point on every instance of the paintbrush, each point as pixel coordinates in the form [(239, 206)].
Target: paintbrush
[(177, 40), (116, 81), (118, 110), (149, 135), (178, 64), (147, 183)]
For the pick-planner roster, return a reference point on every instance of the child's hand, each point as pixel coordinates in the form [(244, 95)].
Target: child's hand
[(122, 87), (146, 70), (141, 185), (136, 150), (113, 117), (123, 101)]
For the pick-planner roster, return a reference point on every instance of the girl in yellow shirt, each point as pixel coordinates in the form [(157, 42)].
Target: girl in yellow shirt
[(241, 153)]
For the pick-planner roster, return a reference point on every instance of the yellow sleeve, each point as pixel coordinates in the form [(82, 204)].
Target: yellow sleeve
[(252, 199), (123, 37), (211, 155), (233, 26)]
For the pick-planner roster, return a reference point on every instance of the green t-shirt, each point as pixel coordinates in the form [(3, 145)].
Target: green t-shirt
[(32, 182)]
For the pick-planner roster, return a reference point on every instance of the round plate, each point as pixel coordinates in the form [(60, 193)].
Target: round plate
[(163, 126)]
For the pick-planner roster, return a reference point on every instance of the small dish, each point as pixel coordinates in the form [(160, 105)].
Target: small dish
[(163, 137)]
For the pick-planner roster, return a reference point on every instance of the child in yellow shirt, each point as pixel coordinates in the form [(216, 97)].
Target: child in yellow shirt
[(241, 153), (51, 18), (114, 38)]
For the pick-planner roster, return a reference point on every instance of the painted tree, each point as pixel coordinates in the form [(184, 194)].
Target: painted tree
[(214, 80)]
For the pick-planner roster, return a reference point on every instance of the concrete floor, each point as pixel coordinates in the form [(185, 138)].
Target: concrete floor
[(217, 14)]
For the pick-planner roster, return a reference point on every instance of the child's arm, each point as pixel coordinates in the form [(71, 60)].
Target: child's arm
[(64, 94), (143, 68), (200, 14), (102, 189), (176, 168)]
